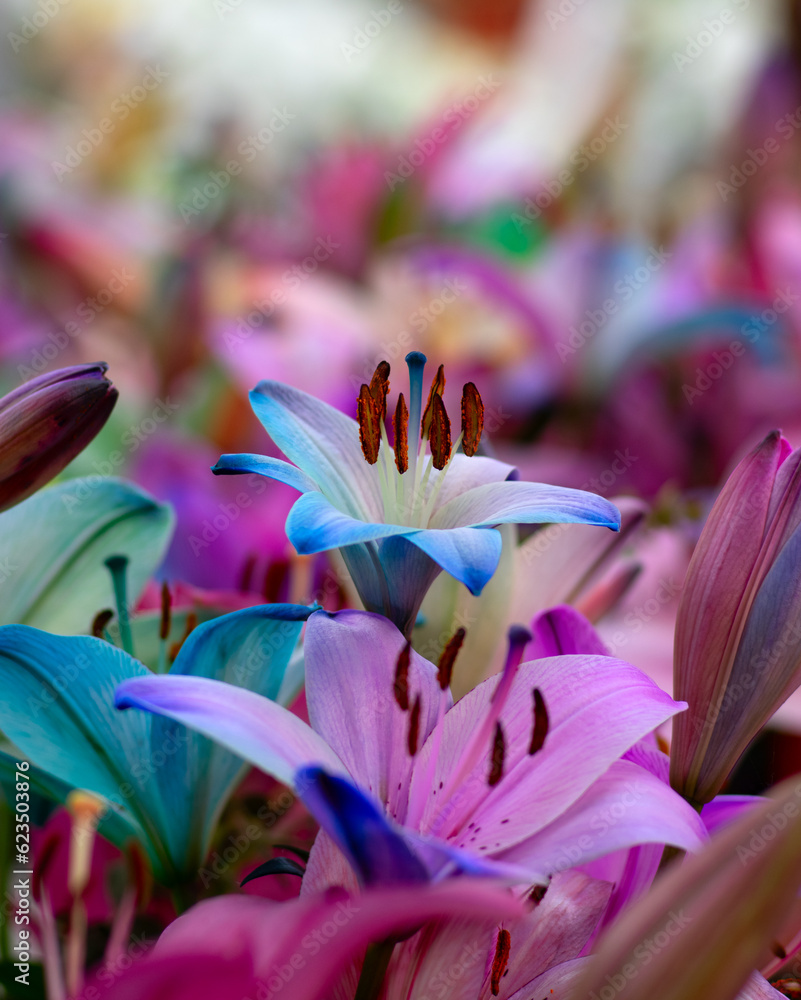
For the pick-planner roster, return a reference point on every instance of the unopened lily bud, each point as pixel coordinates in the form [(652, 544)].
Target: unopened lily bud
[(738, 629), (46, 422)]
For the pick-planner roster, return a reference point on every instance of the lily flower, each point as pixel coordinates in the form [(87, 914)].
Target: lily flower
[(232, 947), (161, 785), (46, 422), (738, 642), (401, 514), (519, 780), (741, 887)]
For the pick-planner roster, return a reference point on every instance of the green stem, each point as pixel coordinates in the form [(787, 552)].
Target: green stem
[(117, 566), (182, 898), (376, 962)]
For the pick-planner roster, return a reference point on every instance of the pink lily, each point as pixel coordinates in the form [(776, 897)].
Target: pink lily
[(413, 788), (738, 647)]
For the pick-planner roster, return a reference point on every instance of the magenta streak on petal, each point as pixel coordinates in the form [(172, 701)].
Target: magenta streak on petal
[(519, 637)]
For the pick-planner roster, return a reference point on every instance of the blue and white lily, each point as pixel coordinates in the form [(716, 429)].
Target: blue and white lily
[(397, 520)]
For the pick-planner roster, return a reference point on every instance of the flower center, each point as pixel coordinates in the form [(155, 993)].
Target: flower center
[(410, 500)]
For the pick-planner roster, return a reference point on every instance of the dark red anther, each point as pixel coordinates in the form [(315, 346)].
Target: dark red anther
[(414, 726), (400, 427), (379, 388), (369, 424), (191, 625), (437, 388), (498, 756), (101, 619), (448, 658), (401, 686), (502, 948), (537, 894), (166, 604), (440, 436), (540, 730), (472, 419)]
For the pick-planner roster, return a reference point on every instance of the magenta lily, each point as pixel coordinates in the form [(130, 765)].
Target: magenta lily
[(738, 644), (499, 784), (232, 947)]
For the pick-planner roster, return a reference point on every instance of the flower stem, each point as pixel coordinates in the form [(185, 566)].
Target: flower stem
[(376, 962), (117, 566)]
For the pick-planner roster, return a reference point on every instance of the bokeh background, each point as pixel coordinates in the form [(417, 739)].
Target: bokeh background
[(591, 208)]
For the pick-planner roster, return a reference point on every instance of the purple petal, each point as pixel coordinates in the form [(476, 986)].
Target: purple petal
[(561, 631), (598, 708), (375, 849), (350, 675), (255, 728), (625, 807)]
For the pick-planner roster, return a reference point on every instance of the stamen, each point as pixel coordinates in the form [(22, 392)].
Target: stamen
[(440, 434), (498, 756), (369, 425), (414, 726), (519, 637), (537, 894), (101, 619), (448, 658), (541, 723), (437, 388), (191, 624), (275, 578), (166, 603), (117, 566), (501, 960), (248, 569), (472, 419), (379, 388), (416, 363), (401, 686), (164, 628), (400, 427)]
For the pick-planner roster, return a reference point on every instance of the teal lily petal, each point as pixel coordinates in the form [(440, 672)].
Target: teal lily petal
[(272, 468), (322, 442), (55, 544), (166, 783)]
